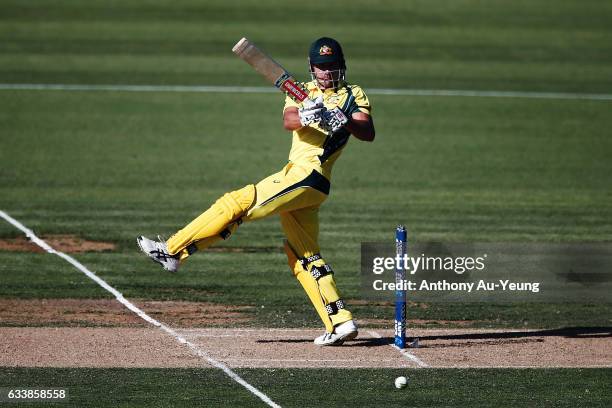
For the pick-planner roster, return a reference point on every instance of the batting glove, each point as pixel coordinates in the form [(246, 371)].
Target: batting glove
[(333, 120), (312, 111)]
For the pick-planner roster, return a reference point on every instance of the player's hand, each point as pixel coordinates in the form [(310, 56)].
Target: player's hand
[(312, 111), (313, 103), (333, 120)]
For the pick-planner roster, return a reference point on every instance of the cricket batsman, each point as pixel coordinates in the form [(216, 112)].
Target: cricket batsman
[(321, 127)]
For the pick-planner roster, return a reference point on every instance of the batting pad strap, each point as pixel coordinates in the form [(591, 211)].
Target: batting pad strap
[(333, 307), (192, 248), (227, 232), (310, 259), (320, 271)]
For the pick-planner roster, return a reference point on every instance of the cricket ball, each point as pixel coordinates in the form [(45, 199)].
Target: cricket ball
[(400, 382)]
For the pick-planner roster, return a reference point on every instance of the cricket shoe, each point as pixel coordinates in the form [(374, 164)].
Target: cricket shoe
[(158, 252), (342, 332)]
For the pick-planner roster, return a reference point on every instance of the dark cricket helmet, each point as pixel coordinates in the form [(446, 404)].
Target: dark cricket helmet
[(324, 50)]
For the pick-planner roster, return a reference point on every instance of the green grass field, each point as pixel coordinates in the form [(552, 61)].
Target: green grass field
[(109, 166), (351, 387)]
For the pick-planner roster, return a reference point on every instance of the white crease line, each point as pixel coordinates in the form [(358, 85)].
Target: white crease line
[(404, 352), (238, 329), (327, 360), (195, 335), (261, 89), (199, 352), (198, 335)]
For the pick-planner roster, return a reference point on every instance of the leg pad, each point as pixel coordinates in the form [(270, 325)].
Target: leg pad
[(333, 307)]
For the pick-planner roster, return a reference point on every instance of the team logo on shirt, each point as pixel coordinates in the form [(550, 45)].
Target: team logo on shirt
[(333, 99), (326, 50)]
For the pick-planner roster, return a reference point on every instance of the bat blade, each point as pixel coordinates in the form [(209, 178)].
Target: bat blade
[(269, 69)]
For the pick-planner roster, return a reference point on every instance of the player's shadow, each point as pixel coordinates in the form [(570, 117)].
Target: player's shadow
[(359, 342), (570, 332), (499, 338), (483, 337)]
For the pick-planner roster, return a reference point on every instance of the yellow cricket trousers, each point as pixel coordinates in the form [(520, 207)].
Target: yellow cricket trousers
[(295, 193)]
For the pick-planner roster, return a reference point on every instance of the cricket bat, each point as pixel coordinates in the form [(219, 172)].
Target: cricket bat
[(269, 69)]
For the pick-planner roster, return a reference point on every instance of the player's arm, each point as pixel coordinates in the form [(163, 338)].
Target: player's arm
[(291, 119), (361, 126)]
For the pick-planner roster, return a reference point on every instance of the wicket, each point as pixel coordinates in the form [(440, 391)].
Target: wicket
[(401, 247)]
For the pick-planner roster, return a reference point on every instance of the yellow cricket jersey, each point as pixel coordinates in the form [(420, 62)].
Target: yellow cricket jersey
[(311, 146)]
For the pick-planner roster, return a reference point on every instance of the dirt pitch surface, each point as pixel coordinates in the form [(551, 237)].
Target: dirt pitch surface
[(150, 347), (109, 312), (64, 243)]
